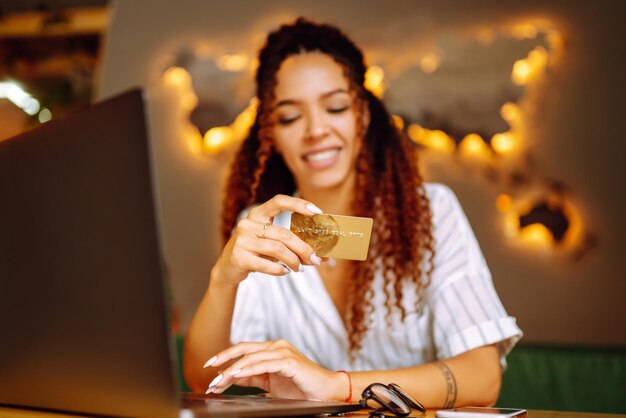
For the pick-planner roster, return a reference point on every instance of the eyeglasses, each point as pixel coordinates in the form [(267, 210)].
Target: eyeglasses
[(391, 398)]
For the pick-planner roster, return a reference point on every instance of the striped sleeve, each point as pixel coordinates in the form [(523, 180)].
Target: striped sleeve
[(467, 312), (249, 321)]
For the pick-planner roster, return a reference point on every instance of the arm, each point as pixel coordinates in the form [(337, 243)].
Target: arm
[(255, 245), (471, 378), (209, 331)]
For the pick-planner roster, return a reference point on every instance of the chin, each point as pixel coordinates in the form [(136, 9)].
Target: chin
[(326, 182)]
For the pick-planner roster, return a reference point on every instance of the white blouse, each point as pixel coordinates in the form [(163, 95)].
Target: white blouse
[(460, 310)]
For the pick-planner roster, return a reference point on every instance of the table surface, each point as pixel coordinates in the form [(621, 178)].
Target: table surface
[(6, 412)]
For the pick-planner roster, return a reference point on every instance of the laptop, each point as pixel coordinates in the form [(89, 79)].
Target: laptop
[(84, 320)]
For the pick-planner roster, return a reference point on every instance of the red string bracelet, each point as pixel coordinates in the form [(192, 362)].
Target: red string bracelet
[(349, 398)]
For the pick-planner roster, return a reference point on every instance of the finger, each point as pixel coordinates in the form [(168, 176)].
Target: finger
[(256, 357), (296, 245), (285, 367), (252, 231), (262, 265), (279, 203), (236, 351), (277, 250), (231, 373), (246, 256)]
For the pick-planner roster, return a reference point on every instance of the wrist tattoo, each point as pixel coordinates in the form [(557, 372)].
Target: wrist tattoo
[(451, 389)]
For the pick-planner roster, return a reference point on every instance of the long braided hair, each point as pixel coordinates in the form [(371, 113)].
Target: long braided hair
[(388, 185)]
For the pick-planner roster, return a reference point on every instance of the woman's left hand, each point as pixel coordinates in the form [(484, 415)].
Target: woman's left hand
[(278, 368)]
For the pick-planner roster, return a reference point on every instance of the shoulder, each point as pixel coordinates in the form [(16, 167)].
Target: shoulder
[(439, 193), (444, 205)]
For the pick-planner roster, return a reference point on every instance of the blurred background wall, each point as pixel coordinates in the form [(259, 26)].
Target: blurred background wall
[(449, 69)]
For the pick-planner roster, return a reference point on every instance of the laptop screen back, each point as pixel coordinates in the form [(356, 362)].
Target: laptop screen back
[(83, 310)]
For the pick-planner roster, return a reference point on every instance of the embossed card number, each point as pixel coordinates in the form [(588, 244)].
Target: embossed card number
[(336, 236)]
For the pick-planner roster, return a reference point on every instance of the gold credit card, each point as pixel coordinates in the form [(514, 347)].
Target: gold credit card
[(335, 236)]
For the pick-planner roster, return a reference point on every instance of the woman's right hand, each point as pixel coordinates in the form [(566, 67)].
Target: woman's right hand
[(258, 246)]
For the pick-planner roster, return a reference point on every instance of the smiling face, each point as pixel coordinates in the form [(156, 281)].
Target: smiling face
[(315, 122)]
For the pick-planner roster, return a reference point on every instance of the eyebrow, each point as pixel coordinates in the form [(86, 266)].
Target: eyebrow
[(323, 96)]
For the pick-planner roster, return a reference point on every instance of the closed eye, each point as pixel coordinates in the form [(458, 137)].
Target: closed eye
[(337, 109), (288, 121)]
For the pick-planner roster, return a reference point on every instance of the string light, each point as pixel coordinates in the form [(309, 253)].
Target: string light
[(503, 143), (474, 146), (524, 31), (510, 112), (526, 69), (176, 76), (216, 138), (536, 235), (434, 139)]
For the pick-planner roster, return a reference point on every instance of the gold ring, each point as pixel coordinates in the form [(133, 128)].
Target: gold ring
[(265, 226)]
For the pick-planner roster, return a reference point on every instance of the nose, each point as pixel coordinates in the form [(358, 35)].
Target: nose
[(317, 127)]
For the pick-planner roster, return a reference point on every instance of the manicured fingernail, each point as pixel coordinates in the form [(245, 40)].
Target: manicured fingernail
[(210, 361), (315, 259), (300, 268), (285, 270), (209, 390), (314, 209), (234, 372), (215, 381)]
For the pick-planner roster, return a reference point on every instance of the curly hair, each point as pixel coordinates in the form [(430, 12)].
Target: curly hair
[(388, 185)]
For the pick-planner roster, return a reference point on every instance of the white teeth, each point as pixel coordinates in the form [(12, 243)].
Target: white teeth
[(324, 155)]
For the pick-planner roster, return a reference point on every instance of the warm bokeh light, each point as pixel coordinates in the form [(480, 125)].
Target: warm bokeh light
[(555, 39), (375, 80), (473, 145), (504, 203), (244, 120), (176, 76), (398, 121), (575, 231), (521, 72), (216, 138), (233, 62), (524, 31), (433, 139), (477, 152), (414, 131), (193, 138), (430, 62), (538, 57), (526, 69), (503, 143), (536, 235), (510, 112)]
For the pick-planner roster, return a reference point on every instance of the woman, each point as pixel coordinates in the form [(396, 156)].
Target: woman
[(421, 311)]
